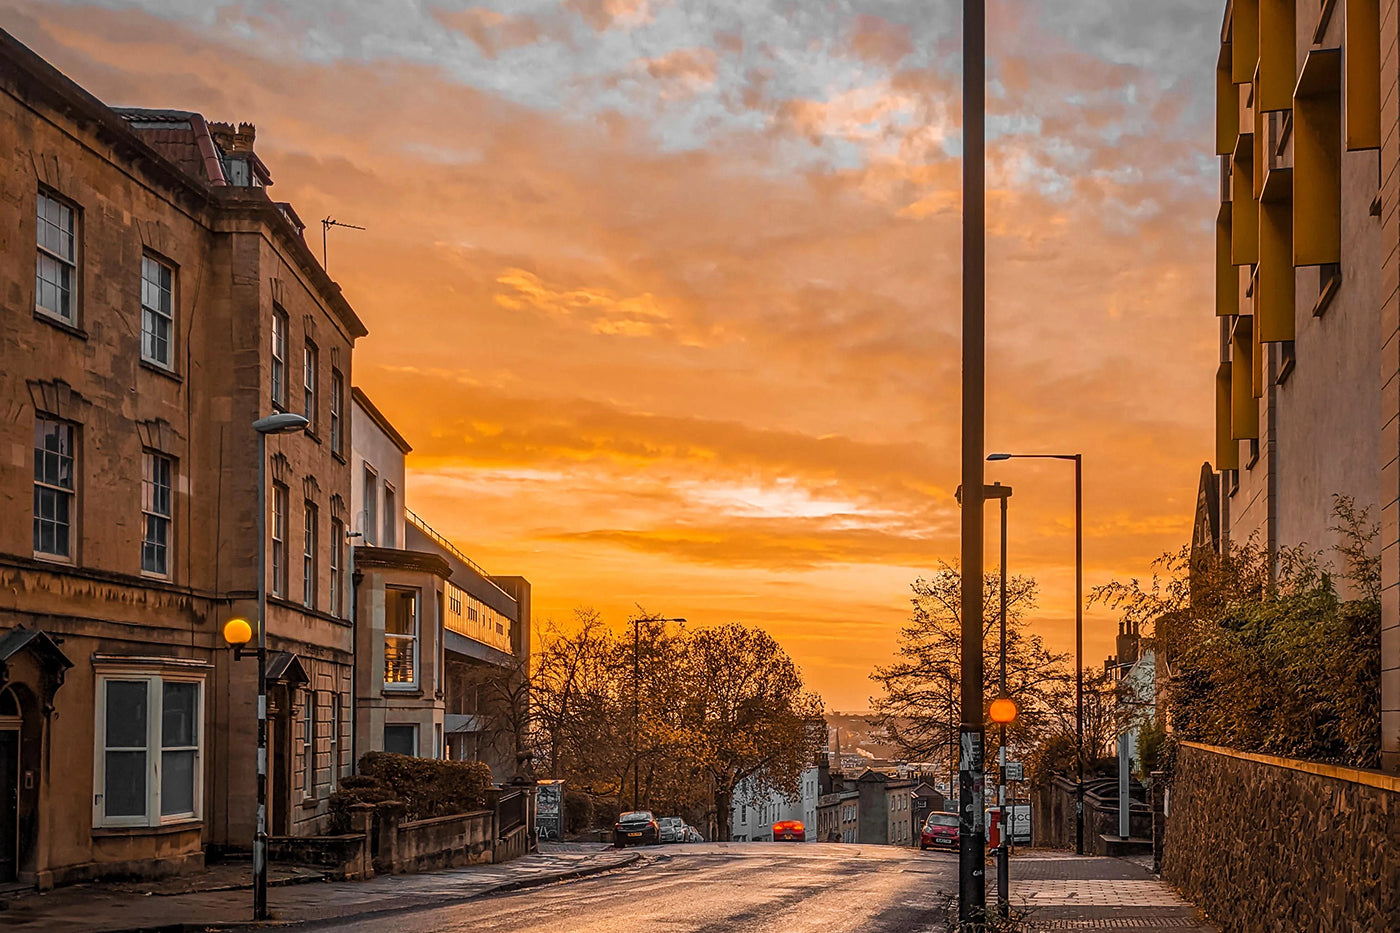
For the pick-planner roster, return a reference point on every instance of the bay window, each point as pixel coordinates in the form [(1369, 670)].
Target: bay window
[(149, 761), (400, 638)]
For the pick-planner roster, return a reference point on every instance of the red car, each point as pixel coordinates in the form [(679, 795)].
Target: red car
[(789, 831), (940, 829)]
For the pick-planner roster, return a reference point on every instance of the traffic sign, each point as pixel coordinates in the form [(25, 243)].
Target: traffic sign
[(1015, 771)]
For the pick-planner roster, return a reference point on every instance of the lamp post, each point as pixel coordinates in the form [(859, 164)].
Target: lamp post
[(972, 880), (1078, 629), (280, 423), (1001, 715), (1003, 712), (637, 700)]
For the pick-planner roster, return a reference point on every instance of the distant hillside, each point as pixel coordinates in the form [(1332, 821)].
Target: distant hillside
[(858, 730)]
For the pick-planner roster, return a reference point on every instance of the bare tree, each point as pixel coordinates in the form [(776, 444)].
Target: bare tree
[(919, 701), (748, 716)]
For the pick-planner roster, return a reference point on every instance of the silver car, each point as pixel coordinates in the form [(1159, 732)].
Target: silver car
[(672, 829)]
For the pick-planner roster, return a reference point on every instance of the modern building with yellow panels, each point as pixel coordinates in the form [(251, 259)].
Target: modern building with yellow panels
[(1308, 382)]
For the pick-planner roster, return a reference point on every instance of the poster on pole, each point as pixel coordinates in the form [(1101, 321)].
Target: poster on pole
[(549, 809)]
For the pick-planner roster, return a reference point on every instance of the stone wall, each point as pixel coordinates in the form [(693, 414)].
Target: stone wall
[(1270, 845), (1052, 814), (443, 842)]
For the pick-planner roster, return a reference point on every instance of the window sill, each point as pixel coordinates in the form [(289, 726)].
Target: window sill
[(392, 690), (338, 455), (54, 320), (63, 560), (311, 433), (160, 370), (163, 829), (310, 803)]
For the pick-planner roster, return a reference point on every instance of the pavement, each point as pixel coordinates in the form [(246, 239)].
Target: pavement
[(742, 887), (1062, 891), (222, 897)]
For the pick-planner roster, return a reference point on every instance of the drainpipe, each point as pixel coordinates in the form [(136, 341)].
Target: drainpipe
[(355, 578)]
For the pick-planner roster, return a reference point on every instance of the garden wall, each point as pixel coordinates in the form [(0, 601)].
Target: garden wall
[(1272, 845)]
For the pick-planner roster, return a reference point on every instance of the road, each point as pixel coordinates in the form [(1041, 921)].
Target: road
[(749, 887)]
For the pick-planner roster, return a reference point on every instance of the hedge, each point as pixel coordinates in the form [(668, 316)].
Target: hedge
[(427, 787)]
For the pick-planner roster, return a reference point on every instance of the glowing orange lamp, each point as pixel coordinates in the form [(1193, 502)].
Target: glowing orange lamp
[(1004, 710), (237, 633)]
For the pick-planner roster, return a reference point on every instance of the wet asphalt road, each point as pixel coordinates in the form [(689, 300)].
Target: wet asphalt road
[(717, 888)]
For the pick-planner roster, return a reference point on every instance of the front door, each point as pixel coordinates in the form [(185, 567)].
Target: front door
[(9, 804), (280, 748)]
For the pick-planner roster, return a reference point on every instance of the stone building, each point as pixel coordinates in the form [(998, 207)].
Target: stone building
[(441, 647), (157, 301), (397, 601), (1307, 259)]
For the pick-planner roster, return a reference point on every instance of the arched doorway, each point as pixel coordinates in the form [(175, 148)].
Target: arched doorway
[(10, 722)]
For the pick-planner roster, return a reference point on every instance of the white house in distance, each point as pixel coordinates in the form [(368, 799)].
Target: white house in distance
[(753, 815)]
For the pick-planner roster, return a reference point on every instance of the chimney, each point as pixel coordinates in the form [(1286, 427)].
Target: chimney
[(1127, 643), (241, 164)]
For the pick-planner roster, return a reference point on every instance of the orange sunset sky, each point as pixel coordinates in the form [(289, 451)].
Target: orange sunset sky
[(665, 293)]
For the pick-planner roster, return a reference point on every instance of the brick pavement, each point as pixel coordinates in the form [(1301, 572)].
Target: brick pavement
[(91, 908), (1063, 891)]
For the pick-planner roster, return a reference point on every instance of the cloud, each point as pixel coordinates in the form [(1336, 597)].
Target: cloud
[(608, 14), (493, 32), (684, 71), (676, 318), (879, 41)]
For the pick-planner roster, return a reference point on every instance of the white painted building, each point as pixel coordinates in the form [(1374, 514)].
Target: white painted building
[(754, 814)]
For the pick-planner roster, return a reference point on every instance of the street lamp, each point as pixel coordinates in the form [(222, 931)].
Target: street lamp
[(1003, 709), (1003, 712), (1078, 629), (280, 423), (637, 700)]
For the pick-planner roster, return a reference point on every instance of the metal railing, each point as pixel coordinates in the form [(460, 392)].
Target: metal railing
[(452, 549)]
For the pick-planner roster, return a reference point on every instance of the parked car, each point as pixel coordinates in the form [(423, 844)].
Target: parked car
[(636, 828), (672, 829), (693, 835), (789, 831), (940, 830)]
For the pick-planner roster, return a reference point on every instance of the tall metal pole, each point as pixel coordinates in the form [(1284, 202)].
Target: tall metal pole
[(260, 834), (636, 711), (1079, 651), (972, 891), (1003, 862)]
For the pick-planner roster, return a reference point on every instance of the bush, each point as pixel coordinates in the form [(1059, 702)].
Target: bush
[(355, 789), (1151, 737), (429, 787), (578, 811), (1053, 756)]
